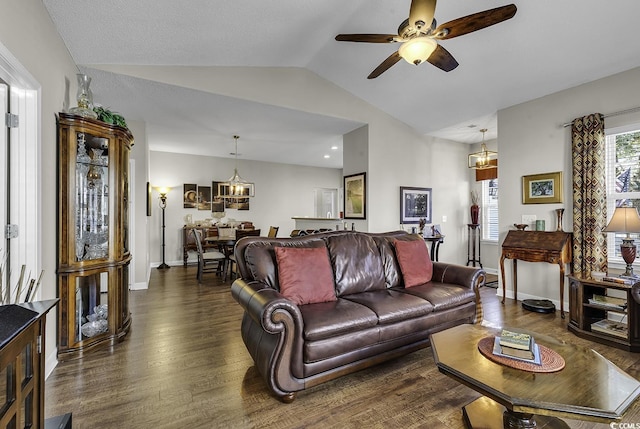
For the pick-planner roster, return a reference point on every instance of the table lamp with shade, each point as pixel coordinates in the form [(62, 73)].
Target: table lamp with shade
[(626, 220)]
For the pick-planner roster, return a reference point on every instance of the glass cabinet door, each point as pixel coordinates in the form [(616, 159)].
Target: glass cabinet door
[(91, 312), (92, 197)]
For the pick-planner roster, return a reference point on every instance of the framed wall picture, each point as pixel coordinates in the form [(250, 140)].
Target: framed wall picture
[(217, 202), (415, 204), (542, 188), (190, 192), (148, 199), (204, 198), (355, 196)]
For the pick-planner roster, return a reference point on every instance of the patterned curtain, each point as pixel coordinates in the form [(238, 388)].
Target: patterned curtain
[(589, 194)]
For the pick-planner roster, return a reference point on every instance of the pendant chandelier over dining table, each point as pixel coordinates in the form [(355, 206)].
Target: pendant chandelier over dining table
[(236, 187)]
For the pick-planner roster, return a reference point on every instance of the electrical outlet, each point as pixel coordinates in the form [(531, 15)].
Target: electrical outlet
[(444, 219), (528, 219)]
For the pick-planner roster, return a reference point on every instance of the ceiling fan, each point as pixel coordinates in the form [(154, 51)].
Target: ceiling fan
[(419, 34)]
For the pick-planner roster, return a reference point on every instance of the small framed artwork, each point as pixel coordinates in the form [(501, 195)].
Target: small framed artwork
[(148, 199), (355, 196), (190, 191), (217, 202), (542, 188), (415, 204), (204, 198)]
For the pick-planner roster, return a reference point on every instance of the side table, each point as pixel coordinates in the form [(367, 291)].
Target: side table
[(473, 246), (436, 241)]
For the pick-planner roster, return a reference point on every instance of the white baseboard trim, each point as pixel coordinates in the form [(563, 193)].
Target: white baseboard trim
[(50, 363), (139, 286), (170, 263)]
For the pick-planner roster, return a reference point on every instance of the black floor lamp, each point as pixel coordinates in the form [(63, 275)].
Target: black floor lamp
[(163, 205)]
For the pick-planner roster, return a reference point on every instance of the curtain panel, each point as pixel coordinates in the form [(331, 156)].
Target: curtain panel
[(589, 194)]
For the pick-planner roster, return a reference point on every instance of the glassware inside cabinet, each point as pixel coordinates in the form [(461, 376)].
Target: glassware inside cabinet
[(92, 197), (92, 299)]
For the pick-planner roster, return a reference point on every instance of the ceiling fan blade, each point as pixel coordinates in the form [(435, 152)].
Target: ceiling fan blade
[(367, 38), (474, 22), (442, 59), (385, 65), (421, 13)]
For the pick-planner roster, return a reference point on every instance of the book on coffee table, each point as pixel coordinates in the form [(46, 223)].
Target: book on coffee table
[(516, 340), (523, 354), (498, 351)]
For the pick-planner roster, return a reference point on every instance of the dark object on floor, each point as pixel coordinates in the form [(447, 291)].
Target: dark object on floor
[(491, 281), (59, 422), (539, 305)]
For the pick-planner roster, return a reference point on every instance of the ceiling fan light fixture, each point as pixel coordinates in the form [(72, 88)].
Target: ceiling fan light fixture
[(417, 50)]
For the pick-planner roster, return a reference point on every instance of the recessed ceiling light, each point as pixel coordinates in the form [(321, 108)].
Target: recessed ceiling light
[(334, 147), (327, 156)]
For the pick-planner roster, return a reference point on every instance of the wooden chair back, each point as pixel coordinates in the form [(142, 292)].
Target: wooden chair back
[(247, 233)]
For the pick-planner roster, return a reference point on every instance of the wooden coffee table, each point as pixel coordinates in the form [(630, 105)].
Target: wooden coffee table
[(588, 388)]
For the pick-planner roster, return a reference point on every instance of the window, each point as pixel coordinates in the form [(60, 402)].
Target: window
[(623, 178), (490, 209)]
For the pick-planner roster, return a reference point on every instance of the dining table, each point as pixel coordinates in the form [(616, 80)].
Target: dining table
[(225, 243)]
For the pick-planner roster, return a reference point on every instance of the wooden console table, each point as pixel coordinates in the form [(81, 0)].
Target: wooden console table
[(536, 246)]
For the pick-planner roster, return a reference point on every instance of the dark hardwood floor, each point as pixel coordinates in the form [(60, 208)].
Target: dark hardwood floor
[(184, 365)]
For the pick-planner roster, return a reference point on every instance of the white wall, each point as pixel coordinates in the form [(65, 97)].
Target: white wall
[(355, 158), (397, 155), (27, 32), (489, 250), (532, 140), (282, 191), (139, 271)]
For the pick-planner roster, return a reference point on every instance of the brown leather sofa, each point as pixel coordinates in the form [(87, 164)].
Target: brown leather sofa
[(295, 347)]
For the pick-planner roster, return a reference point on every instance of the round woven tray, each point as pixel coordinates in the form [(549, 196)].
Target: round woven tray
[(551, 361)]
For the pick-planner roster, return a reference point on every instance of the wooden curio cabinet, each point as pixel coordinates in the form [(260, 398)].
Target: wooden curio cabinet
[(93, 229)]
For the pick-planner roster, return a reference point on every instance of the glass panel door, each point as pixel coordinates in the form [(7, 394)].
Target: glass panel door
[(4, 190), (92, 197)]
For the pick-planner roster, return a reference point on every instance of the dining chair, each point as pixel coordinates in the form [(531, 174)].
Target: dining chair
[(208, 262), (273, 231), (231, 257)]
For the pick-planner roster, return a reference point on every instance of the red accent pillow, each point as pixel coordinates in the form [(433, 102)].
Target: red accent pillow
[(305, 274), (415, 263)]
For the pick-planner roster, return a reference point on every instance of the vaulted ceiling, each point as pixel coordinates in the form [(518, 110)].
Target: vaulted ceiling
[(546, 47)]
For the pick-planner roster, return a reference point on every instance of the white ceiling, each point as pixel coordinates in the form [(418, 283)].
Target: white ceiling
[(548, 46)]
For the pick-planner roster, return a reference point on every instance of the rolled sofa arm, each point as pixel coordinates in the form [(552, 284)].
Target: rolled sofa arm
[(470, 277), (272, 329)]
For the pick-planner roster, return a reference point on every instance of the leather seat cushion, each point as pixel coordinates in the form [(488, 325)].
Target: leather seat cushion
[(442, 295), (330, 319), (392, 305)]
